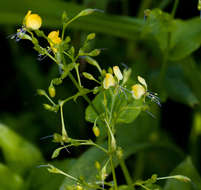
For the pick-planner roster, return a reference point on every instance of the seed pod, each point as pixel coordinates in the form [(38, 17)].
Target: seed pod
[(91, 36)]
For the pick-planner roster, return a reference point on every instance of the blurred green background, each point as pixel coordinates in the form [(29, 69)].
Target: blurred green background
[(163, 50)]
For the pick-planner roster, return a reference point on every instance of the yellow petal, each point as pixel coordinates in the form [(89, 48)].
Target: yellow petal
[(138, 91), (142, 81), (32, 21), (54, 39), (108, 81), (117, 73)]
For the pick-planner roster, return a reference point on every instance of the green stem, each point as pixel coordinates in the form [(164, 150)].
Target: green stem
[(112, 106), (49, 99), (84, 96), (126, 174), (66, 24), (113, 173), (111, 156), (78, 75), (176, 3), (64, 133)]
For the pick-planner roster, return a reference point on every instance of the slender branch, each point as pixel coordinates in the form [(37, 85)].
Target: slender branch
[(64, 132), (176, 3), (126, 174)]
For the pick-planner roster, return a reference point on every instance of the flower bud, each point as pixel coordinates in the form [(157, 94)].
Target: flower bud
[(94, 53), (52, 91), (88, 76), (50, 108), (182, 178), (108, 81), (117, 73), (97, 165), (199, 5), (86, 12), (91, 36), (119, 153), (96, 131), (41, 92)]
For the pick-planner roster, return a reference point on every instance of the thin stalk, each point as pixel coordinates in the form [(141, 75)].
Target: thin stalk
[(78, 75), (126, 174), (174, 9), (111, 157), (66, 24), (69, 176), (94, 144), (84, 96), (113, 173), (49, 99), (112, 106), (64, 133)]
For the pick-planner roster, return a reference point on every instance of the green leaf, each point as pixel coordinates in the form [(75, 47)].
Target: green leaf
[(158, 24), (125, 111), (19, 154), (178, 89), (185, 38), (15, 181), (184, 35), (186, 168)]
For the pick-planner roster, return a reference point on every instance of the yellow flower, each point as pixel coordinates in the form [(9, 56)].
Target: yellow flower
[(54, 39), (108, 81), (117, 73), (32, 21), (138, 91)]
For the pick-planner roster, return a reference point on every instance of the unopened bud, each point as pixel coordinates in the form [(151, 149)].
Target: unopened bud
[(52, 169), (94, 53), (86, 12), (50, 108), (96, 131), (199, 5), (64, 17), (91, 36), (110, 70), (52, 91), (182, 178), (97, 165), (117, 73), (119, 153), (41, 92), (88, 76)]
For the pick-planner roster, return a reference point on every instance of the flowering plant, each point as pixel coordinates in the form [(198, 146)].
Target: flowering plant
[(117, 102)]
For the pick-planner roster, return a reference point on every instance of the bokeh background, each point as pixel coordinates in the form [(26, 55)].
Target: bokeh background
[(122, 34)]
